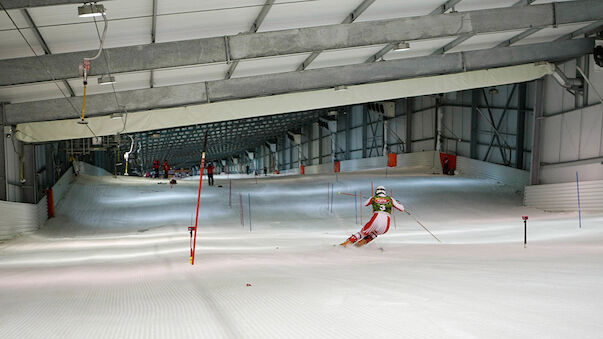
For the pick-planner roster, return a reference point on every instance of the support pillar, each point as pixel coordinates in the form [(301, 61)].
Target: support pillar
[(538, 114), (3, 188), (475, 94), (364, 129), (437, 126), (521, 118), (310, 161), (409, 109), (319, 144), (348, 137), (29, 174)]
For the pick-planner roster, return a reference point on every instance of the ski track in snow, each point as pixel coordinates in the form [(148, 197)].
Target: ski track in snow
[(114, 263)]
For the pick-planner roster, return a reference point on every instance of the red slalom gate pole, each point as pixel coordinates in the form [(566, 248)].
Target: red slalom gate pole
[(372, 189), (199, 199), (391, 193)]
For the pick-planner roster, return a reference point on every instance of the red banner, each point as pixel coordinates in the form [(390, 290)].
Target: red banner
[(448, 163)]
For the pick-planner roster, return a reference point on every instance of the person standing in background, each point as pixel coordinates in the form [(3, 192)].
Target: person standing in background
[(166, 169), (210, 174)]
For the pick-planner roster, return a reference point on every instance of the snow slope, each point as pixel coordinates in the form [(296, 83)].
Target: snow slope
[(114, 263)]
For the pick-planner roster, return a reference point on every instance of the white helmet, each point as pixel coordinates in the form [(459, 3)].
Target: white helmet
[(380, 191)]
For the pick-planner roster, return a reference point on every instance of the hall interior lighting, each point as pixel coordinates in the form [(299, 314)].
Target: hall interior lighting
[(402, 46), (106, 80), (90, 10)]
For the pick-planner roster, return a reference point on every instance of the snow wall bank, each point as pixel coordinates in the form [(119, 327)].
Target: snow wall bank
[(85, 168), (429, 162), (564, 197), (19, 218), (486, 170)]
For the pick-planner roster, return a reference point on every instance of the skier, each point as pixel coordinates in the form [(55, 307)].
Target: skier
[(210, 174), (166, 169), (379, 223)]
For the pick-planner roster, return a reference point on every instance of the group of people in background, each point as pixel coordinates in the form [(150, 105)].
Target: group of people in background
[(157, 167), (166, 168)]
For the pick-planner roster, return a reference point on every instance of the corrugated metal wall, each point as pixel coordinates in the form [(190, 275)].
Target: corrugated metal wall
[(564, 197)]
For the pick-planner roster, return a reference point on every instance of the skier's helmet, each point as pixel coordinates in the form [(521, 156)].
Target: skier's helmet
[(380, 191)]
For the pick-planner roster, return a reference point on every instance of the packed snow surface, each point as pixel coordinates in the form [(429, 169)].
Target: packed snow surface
[(114, 263)]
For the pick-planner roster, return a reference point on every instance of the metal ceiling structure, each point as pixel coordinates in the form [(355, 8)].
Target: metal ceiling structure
[(182, 146), (172, 53)]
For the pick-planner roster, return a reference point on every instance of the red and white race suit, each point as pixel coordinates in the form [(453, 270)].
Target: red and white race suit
[(379, 223)]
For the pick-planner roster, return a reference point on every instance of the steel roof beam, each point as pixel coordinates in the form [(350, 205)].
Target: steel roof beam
[(303, 40), (467, 36), (387, 48), (43, 43), (153, 36), (254, 28), (519, 37), (445, 7), (349, 19), (584, 31), (269, 84), (19, 4)]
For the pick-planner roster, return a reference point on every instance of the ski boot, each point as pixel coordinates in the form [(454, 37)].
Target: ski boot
[(364, 241), (350, 240)]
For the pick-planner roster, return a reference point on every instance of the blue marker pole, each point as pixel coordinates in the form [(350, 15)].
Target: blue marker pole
[(579, 209), (332, 197), (249, 203)]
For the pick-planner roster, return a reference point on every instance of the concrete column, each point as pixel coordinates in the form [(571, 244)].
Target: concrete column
[(319, 144), (385, 146), (474, 122), (438, 126), (310, 144), (3, 188), (521, 117), (348, 137), (364, 129), (408, 110), (29, 174), (538, 113)]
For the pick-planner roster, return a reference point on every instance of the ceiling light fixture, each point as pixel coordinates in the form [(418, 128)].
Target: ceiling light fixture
[(106, 80), (90, 10), (403, 46), (117, 115), (155, 136)]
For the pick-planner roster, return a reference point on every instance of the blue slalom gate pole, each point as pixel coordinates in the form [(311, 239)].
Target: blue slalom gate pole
[(579, 209), (356, 205), (332, 197), (249, 204)]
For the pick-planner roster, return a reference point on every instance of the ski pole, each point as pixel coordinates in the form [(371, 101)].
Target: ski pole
[(360, 208), (418, 222)]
